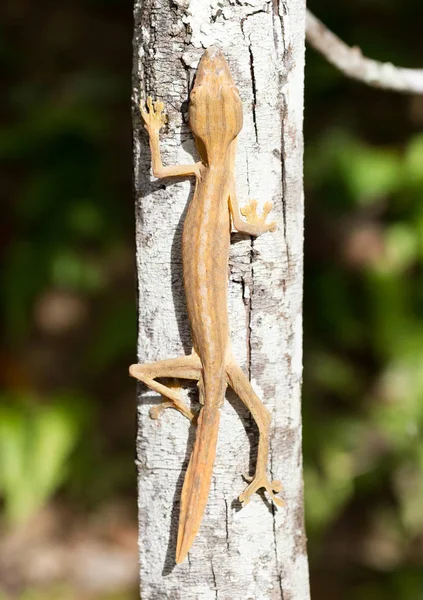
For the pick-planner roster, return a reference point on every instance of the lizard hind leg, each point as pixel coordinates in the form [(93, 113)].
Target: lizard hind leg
[(184, 367), (243, 388)]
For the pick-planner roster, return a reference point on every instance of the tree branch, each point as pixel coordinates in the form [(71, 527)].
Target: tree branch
[(352, 63)]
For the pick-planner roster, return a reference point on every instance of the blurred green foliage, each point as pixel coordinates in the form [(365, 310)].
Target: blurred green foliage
[(69, 222), (67, 285), (36, 442), (363, 375)]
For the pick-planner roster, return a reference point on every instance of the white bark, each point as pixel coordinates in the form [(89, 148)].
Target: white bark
[(256, 553)]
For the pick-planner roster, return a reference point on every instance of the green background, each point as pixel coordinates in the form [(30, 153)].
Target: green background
[(68, 301)]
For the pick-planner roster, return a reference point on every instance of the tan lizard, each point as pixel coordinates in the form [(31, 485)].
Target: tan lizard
[(215, 117)]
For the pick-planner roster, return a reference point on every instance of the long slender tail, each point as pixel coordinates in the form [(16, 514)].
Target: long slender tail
[(197, 481)]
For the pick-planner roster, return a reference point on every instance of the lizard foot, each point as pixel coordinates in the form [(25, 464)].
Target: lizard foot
[(155, 117), (258, 482), (171, 399), (249, 211), (156, 411)]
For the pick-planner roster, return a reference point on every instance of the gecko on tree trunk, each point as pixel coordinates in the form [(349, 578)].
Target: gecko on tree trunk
[(215, 117), (259, 552)]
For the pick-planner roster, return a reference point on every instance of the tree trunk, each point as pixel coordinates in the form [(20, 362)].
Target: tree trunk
[(258, 552)]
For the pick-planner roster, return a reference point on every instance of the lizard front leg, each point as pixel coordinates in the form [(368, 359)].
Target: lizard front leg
[(154, 119), (254, 223), (184, 367), (243, 388)]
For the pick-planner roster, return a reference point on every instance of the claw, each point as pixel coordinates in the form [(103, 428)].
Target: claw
[(154, 118), (244, 499), (277, 485), (261, 481), (156, 411), (267, 208), (249, 211), (158, 106)]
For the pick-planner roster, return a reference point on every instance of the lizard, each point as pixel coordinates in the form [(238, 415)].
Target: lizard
[(215, 119)]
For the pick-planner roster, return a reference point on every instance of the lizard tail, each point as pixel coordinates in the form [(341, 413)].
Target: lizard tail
[(197, 481)]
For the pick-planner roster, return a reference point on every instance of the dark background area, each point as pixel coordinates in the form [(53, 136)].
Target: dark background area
[(68, 308)]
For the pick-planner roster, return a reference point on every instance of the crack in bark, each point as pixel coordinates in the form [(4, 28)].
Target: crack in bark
[(253, 12), (252, 73), (254, 90), (227, 524), (280, 585), (214, 580)]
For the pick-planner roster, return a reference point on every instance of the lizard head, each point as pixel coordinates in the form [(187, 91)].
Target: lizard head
[(215, 109)]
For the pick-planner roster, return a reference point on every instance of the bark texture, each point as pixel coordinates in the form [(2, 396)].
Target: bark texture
[(259, 552)]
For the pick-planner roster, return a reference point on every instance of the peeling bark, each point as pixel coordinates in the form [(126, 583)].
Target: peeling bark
[(258, 552)]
